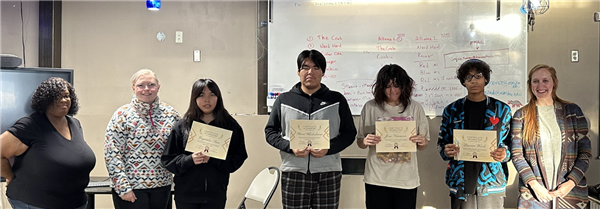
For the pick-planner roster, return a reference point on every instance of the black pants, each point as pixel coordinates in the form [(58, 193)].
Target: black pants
[(211, 205), (155, 198), (380, 197)]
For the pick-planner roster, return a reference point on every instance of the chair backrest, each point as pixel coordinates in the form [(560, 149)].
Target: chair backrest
[(263, 186)]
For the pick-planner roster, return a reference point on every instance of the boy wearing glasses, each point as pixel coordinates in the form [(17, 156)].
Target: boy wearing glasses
[(311, 177), (474, 184)]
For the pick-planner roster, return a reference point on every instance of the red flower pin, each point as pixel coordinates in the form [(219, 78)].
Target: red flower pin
[(494, 120)]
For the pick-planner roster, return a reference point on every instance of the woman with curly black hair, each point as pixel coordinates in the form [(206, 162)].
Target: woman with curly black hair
[(52, 162)]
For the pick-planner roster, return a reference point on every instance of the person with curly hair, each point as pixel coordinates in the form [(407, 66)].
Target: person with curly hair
[(134, 142), (392, 91), (52, 162), (476, 184)]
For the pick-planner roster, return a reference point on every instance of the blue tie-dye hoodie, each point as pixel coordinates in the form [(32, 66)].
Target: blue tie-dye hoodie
[(493, 176)]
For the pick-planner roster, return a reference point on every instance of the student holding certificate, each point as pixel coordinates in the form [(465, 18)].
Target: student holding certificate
[(392, 91), (473, 184), (311, 178), (201, 181), (551, 149)]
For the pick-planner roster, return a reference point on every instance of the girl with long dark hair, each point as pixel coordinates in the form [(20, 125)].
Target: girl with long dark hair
[(201, 181)]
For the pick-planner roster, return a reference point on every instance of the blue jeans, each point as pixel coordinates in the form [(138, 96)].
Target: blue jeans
[(21, 205)]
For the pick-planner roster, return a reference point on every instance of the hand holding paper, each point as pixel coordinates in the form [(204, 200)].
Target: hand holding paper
[(498, 154), (371, 139), (318, 153), (309, 134), (420, 141), (210, 140), (395, 136), (200, 158), (301, 152), (451, 150), (476, 144)]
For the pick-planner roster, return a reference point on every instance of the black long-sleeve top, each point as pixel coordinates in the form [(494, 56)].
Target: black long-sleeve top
[(206, 182)]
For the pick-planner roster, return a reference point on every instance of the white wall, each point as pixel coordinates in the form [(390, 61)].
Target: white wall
[(106, 42), (14, 31)]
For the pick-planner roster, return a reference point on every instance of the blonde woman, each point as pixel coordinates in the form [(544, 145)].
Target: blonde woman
[(135, 139)]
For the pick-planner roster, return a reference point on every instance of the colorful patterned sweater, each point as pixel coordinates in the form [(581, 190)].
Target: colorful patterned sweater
[(576, 153), (493, 176), (134, 142)]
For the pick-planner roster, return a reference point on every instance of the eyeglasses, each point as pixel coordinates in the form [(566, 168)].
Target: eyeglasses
[(315, 68), (477, 76), (149, 86)]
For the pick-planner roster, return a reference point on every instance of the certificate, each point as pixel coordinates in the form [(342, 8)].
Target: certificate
[(475, 145), (212, 141), (395, 136), (309, 133)]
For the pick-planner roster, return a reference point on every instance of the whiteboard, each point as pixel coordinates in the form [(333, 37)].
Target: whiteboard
[(429, 39)]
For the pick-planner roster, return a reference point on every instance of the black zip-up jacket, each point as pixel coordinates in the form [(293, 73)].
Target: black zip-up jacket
[(206, 182), (321, 105)]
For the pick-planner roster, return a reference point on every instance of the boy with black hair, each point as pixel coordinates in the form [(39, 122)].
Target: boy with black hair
[(311, 178), (474, 184)]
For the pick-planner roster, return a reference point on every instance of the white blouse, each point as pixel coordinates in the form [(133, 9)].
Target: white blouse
[(551, 137)]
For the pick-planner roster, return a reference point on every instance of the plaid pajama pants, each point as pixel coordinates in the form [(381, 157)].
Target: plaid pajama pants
[(311, 190)]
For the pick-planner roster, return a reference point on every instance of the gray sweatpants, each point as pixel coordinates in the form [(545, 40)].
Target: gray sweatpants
[(478, 202)]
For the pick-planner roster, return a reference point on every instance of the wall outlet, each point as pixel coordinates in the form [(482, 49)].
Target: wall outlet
[(196, 55), (178, 37), (574, 55)]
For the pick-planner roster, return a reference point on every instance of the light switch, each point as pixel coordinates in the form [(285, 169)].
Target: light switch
[(574, 55), (196, 55), (178, 37)]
